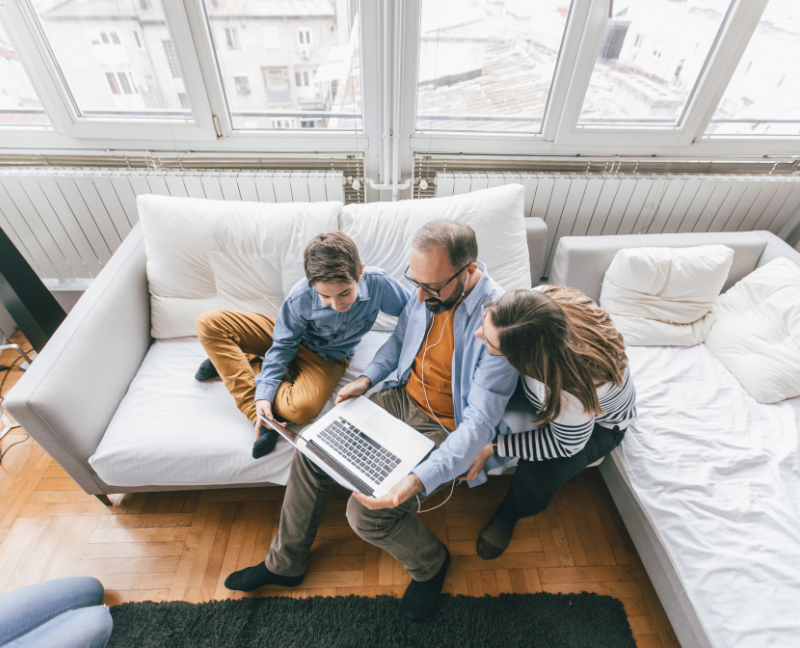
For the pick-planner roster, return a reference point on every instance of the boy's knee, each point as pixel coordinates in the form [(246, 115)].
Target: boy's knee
[(207, 323)]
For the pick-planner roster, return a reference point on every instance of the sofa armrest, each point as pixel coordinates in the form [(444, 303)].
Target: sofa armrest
[(68, 396), (777, 248), (536, 234), (581, 261)]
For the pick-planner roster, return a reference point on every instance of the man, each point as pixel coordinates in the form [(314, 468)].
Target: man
[(449, 388)]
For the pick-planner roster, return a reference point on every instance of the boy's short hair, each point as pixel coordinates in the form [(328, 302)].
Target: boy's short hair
[(333, 258)]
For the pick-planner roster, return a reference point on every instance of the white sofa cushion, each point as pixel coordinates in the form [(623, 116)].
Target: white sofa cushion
[(661, 296), (756, 331), (207, 254), (171, 430), (384, 232)]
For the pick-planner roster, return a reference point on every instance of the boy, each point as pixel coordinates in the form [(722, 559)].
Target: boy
[(308, 347)]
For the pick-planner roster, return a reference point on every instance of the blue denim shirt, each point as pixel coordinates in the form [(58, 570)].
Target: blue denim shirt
[(482, 383), (304, 319)]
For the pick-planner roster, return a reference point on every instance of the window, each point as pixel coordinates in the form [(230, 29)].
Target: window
[(487, 67), (282, 123), (242, 85), (309, 123), (184, 99), (763, 97), (650, 86), (270, 37), (279, 50), (121, 83), (232, 37), (172, 59), (105, 37), (138, 40), (19, 104), (86, 66)]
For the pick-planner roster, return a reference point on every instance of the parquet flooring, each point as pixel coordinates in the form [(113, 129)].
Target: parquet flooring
[(182, 545)]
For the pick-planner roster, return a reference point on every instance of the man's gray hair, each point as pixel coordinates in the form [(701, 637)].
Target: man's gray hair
[(456, 239)]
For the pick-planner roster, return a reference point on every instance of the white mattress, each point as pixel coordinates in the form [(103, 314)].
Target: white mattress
[(719, 475), (171, 430)]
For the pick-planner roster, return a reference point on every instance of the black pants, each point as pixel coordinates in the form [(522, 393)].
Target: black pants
[(535, 482)]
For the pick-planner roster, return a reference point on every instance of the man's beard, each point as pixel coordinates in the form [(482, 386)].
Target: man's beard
[(442, 306)]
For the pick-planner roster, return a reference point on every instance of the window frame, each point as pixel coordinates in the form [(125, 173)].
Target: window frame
[(190, 34)]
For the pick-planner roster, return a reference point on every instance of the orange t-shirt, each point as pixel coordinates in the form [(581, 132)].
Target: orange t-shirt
[(438, 372)]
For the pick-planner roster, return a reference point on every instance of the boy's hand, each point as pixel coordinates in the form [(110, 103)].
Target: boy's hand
[(358, 387), (263, 407)]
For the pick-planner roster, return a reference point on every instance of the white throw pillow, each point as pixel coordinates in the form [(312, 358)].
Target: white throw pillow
[(756, 331), (208, 254), (660, 296), (384, 232)]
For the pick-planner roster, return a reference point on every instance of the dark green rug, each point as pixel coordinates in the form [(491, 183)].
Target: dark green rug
[(506, 621)]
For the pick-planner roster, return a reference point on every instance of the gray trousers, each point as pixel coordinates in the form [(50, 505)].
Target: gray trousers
[(396, 530)]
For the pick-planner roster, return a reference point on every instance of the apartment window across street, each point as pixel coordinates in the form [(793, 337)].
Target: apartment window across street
[(301, 79), (232, 37), (305, 37), (121, 83), (137, 39), (242, 85), (282, 123), (172, 59), (184, 99)]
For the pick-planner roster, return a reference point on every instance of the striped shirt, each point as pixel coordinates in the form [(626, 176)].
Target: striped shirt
[(567, 434)]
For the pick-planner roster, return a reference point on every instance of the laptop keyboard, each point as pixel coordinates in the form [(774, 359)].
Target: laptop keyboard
[(371, 459)]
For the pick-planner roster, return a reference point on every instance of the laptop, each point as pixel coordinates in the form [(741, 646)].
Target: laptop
[(360, 445)]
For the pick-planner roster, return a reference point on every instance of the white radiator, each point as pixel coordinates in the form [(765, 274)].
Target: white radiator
[(584, 205), (68, 222)]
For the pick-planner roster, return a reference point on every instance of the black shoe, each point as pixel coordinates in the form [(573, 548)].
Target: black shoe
[(251, 578), (265, 443), (420, 598), (207, 371)]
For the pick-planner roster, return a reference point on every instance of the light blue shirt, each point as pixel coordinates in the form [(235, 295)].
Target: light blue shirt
[(304, 319), (482, 383)]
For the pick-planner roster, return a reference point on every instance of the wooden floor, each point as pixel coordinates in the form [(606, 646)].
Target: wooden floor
[(182, 545)]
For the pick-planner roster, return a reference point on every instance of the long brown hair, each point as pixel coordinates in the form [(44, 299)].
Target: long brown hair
[(558, 336)]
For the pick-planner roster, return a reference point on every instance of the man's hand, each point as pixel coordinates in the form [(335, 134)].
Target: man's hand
[(263, 407), (478, 463), (358, 387), (405, 490)]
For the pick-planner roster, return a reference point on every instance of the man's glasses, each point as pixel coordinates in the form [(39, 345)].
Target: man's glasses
[(489, 348), (433, 292)]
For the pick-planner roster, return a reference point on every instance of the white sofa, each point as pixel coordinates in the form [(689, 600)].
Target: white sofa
[(707, 480), (112, 396)]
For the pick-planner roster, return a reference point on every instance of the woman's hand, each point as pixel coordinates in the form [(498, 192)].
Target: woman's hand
[(264, 408), (478, 463), (406, 488), (358, 387)]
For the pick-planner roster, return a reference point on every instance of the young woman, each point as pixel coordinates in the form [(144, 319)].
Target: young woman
[(574, 372)]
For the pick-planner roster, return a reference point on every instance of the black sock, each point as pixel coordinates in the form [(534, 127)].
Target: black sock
[(494, 538), (265, 442), (421, 597), (206, 371), (251, 578)]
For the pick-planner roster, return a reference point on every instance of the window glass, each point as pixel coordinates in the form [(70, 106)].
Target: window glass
[(19, 104), (487, 65), (763, 97), (116, 58), (288, 64), (650, 59)]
